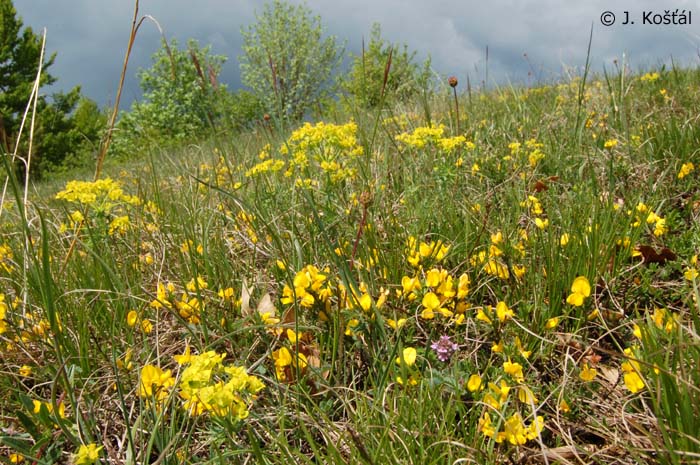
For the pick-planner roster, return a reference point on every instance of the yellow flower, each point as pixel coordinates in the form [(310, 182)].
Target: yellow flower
[(514, 430), (146, 326), (611, 143), (564, 239), (519, 271), (541, 224), (25, 371), (552, 323), (132, 317), (155, 382), (587, 373), (496, 268), (431, 302), (686, 169), (526, 396), (633, 381), (497, 347), (503, 312), (87, 454), (226, 294), (564, 406), (690, 274), (480, 315), (637, 331), (514, 369), (485, 426), (474, 383), (396, 324), (408, 356), (580, 289), (366, 302)]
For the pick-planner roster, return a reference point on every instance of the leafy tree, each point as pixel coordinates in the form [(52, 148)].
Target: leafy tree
[(67, 126), (365, 81), (286, 62), (20, 51), (68, 132), (244, 109), (181, 98)]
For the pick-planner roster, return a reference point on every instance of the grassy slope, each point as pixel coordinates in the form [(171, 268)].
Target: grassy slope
[(560, 182)]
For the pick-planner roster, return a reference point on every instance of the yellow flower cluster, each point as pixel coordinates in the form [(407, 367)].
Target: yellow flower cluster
[(421, 137), (103, 197), (425, 251), (269, 165), (650, 77), (102, 194), (440, 296), (515, 430), (643, 213), (207, 385), (189, 307), (686, 169), (531, 149), (308, 288), (491, 259), (285, 362), (329, 147)]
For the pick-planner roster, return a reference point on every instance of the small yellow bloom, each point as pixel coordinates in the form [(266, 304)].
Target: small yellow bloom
[(519, 271), (480, 315), (408, 356), (526, 396), (611, 143), (503, 312), (686, 169), (564, 406), (25, 371), (131, 318), (474, 383), (514, 369), (366, 302), (396, 324), (146, 326), (87, 454), (580, 289), (633, 381), (587, 373), (552, 323), (564, 239)]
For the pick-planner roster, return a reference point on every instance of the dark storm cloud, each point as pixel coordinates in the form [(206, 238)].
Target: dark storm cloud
[(90, 35)]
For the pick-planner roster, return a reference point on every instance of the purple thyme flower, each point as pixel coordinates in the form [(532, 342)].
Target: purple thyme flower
[(444, 348)]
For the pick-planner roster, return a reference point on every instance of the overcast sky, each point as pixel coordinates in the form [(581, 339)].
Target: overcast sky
[(90, 36)]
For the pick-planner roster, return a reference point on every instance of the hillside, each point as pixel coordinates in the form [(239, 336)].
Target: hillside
[(394, 286)]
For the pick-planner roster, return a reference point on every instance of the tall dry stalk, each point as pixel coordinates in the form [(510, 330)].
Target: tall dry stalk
[(135, 25)]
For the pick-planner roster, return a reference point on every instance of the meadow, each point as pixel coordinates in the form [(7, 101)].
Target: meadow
[(513, 282)]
